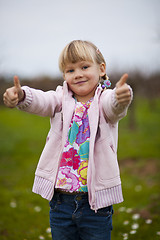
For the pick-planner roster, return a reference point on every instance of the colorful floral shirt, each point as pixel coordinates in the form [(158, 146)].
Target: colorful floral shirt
[(72, 175)]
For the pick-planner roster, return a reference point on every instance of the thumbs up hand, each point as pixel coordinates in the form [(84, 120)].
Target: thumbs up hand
[(14, 94), (123, 94)]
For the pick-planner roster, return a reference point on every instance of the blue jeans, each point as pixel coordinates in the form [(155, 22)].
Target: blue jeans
[(72, 219)]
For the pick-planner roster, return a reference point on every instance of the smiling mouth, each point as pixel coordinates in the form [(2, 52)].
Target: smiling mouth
[(81, 82)]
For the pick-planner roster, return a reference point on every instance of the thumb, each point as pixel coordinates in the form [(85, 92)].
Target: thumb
[(122, 80), (18, 89), (17, 83)]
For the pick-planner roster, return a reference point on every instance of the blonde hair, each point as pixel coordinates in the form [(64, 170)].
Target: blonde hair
[(79, 50)]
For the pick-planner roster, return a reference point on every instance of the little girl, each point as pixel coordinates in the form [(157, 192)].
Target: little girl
[(78, 170)]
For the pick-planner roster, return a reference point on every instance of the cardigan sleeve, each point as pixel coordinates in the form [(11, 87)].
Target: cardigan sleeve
[(41, 103), (114, 111)]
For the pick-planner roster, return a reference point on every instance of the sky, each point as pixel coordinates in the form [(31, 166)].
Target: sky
[(34, 32)]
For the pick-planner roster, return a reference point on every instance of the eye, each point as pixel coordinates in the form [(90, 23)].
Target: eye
[(85, 67), (70, 70)]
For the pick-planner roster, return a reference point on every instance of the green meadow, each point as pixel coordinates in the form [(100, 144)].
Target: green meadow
[(25, 215)]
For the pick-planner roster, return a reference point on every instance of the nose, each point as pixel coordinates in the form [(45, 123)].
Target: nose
[(78, 73)]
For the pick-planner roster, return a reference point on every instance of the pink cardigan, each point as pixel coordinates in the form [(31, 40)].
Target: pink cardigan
[(103, 177)]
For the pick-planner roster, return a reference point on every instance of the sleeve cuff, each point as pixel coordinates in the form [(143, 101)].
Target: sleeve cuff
[(27, 100), (115, 102)]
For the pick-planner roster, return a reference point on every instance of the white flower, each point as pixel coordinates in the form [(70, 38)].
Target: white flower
[(126, 222), (148, 221), (41, 237), (135, 226), (158, 233), (13, 204), (129, 210), (48, 230), (125, 235), (136, 216), (37, 209), (133, 232), (125, 238), (122, 209)]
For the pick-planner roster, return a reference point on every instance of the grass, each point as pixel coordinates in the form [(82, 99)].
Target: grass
[(24, 215)]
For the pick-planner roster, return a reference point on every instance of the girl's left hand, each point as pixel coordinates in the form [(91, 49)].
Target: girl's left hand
[(123, 94)]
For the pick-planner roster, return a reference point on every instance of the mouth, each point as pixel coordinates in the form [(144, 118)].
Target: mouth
[(81, 82)]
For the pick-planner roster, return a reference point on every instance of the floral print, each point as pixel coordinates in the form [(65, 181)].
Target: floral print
[(72, 174), (82, 171), (70, 158), (84, 133), (67, 179)]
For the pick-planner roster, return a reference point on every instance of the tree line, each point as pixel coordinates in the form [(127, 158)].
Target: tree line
[(145, 86)]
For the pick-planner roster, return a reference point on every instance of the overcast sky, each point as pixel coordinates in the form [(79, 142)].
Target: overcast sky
[(34, 32)]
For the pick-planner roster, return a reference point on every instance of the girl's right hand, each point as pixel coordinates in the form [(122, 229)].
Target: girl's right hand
[(13, 95)]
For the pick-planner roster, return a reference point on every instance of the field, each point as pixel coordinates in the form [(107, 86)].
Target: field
[(24, 215)]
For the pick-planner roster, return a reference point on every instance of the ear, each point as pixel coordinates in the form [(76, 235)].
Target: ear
[(102, 68)]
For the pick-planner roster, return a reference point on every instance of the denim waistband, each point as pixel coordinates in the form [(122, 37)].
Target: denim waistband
[(66, 197), (71, 198)]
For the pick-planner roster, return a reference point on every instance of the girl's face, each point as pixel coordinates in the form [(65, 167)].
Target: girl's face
[(83, 77)]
